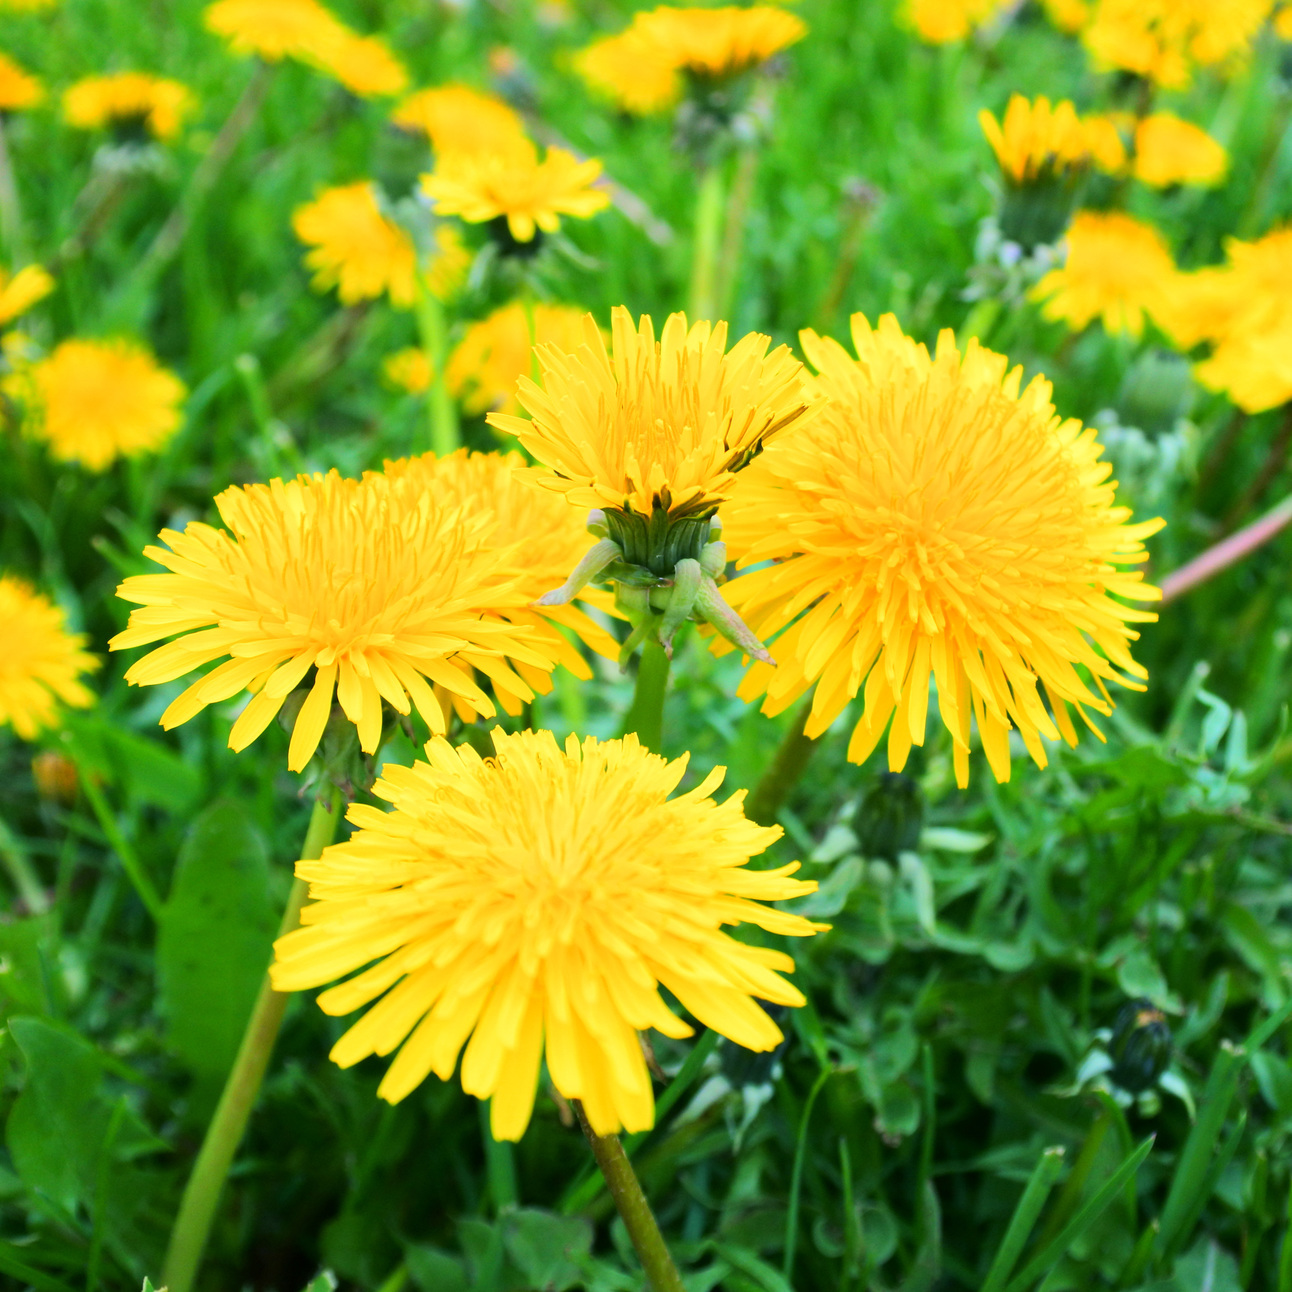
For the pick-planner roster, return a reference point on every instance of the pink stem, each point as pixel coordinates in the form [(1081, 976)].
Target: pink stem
[(1226, 553)]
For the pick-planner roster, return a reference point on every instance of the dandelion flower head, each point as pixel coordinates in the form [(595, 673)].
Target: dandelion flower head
[(458, 119), (1068, 15), (158, 103), (20, 291), (274, 29), (1118, 269), (529, 194), (26, 6), (1036, 138), (371, 584), (409, 369), (495, 353), (41, 663), (1169, 151), (937, 521), (363, 64), (717, 43), (662, 425), (632, 70), (95, 401), (18, 89), (1283, 23), (942, 21), (530, 906)]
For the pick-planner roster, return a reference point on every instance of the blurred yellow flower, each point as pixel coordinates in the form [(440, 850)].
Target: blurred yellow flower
[(719, 42), (156, 102), (363, 64), (409, 369), (458, 119), (493, 354), (1068, 15), (1118, 269), (1164, 40), (547, 535), (26, 6), (274, 29), (371, 584), (41, 663), (942, 21), (95, 401), (1283, 23), (1037, 139), (531, 195), (534, 902), (1254, 369), (19, 292), (663, 425), (1171, 151), (18, 89), (632, 71), (936, 521)]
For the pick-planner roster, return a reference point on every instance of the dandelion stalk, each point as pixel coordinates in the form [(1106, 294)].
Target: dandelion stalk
[(434, 329), (783, 772), (633, 1208), (709, 209), (11, 223), (224, 1134), (646, 714)]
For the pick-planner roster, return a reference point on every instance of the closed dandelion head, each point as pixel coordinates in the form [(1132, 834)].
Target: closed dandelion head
[(20, 291), (494, 353), (1118, 269), (458, 119), (273, 29), (1171, 151), (128, 100), (529, 906), (516, 188), (41, 663), (95, 401), (937, 521), (366, 590), (632, 70), (942, 21), (713, 44), (19, 90)]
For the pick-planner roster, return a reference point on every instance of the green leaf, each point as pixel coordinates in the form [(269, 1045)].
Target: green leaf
[(545, 1247), (149, 772), (24, 968), (214, 939), (435, 1271)]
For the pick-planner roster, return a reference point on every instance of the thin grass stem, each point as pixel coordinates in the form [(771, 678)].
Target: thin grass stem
[(796, 1175)]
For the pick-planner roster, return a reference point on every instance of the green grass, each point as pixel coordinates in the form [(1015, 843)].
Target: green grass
[(963, 985)]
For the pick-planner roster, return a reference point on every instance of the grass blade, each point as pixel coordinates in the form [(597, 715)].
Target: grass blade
[(796, 1176), (1021, 1223)]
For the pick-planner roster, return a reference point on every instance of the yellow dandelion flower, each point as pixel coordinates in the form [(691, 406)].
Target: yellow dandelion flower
[(95, 401), (534, 902), (1068, 15), (632, 71), (18, 89), (410, 369), (20, 291), (26, 6), (1171, 151), (1254, 369), (158, 103), (356, 248), (493, 354), (531, 195), (720, 42), (458, 119), (1283, 23), (363, 64), (41, 663), (274, 29), (547, 535), (942, 21), (371, 584), (1118, 269), (1106, 135), (1164, 40), (936, 521), (666, 424), (1036, 138)]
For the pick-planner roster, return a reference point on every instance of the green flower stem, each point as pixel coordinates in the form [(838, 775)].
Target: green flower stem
[(531, 325), (646, 716), (22, 872), (782, 774), (134, 868), (709, 207), (224, 1134), (634, 1210), (11, 223), (434, 329)]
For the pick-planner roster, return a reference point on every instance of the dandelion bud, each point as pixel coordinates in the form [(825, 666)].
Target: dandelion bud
[(890, 817), (55, 777), (1141, 1045)]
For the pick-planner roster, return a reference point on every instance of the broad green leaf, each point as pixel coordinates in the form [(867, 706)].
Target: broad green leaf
[(25, 974), (215, 937), (545, 1247), (148, 771), (432, 1270)]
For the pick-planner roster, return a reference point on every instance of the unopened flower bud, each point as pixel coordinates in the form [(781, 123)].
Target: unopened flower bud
[(55, 776), (1141, 1045)]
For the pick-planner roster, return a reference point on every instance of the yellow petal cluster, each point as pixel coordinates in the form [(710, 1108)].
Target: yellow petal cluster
[(20, 291), (363, 64), (410, 369), (529, 906), (942, 21), (719, 42), (632, 71), (1067, 15), (41, 663), (18, 89), (1169, 150), (530, 194), (372, 585), (495, 353), (663, 425), (458, 119), (1118, 269), (100, 100), (1166, 40), (95, 401), (1037, 139), (936, 521), (545, 536)]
